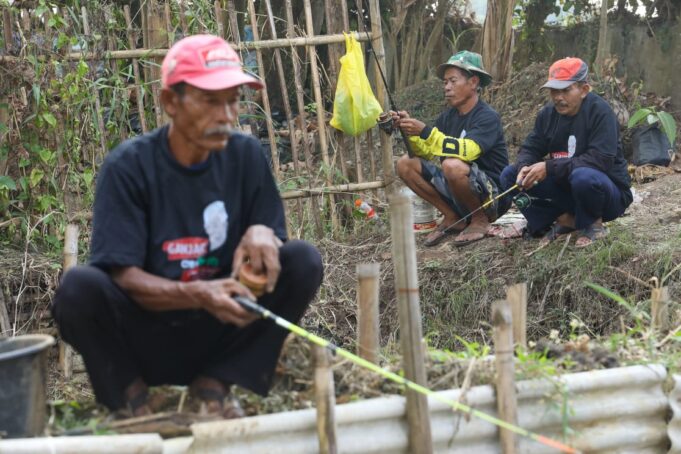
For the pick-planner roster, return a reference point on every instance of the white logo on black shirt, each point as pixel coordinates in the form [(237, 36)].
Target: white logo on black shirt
[(572, 146), (215, 222)]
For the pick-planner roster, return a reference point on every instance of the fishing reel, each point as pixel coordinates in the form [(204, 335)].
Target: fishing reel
[(524, 200), (385, 123)]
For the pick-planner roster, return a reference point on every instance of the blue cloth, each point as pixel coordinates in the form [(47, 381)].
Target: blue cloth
[(587, 193)]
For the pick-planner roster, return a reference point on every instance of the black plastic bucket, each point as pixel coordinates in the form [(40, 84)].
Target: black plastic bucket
[(23, 374)]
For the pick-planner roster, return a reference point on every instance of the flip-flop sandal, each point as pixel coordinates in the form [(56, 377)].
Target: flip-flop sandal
[(438, 235), (556, 231), (471, 229), (593, 233)]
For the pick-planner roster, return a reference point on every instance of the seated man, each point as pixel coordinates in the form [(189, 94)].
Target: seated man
[(584, 180), (469, 140), (177, 213)]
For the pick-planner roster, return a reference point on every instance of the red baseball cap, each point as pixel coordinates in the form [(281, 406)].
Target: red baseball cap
[(207, 62), (566, 72)]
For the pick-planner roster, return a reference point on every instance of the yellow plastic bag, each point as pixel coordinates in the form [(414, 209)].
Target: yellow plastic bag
[(355, 108)]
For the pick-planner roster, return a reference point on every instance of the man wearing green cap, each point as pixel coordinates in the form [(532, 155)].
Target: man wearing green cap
[(469, 140)]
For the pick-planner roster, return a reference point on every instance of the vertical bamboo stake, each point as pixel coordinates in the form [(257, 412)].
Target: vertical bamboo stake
[(287, 105), (7, 29), (330, 10), (516, 295), (183, 19), (368, 343), (135, 70), (156, 31), (407, 289), (370, 148), (95, 92), (219, 19), (265, 98), (505, 383), (70, 260), (321, 113), (233, 22), (314, 201), (325, 401), (381, 94), (170, 30), (358, 159), (5, 325), (659, 313)]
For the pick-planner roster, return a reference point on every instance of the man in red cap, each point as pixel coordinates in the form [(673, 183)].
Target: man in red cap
[(572, 163), (177, 213)]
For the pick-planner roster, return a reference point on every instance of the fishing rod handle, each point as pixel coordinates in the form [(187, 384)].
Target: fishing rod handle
[(249, 305)]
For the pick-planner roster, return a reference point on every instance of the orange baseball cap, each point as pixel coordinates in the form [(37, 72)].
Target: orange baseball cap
[(566, 72), (207, 62)]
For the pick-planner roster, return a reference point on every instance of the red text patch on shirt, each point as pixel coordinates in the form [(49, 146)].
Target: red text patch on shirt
[(559, 154), (186, 248)]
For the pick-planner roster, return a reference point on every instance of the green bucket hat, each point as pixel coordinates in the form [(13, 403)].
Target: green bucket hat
[(468, 61)]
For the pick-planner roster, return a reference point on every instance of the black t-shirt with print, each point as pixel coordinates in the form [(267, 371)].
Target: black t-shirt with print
[(483, 126), (177, 222), (591, 138)]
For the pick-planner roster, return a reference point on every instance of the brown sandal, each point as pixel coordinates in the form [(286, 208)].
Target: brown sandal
[(439, 234), (215, 399), (471, 229)]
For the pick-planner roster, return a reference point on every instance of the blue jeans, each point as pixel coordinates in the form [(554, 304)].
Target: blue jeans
[(588, 195)]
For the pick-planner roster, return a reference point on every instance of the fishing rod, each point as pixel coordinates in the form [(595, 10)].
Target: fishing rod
[(393, 106), (265, 313), (482, 207)]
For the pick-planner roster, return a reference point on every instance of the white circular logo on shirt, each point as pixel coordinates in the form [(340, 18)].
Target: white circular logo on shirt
[(463, 134), (215, 221), (572, 146)]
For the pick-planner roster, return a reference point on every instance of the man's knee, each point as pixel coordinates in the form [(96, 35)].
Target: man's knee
[(78, 294), (455, 169), (407, 166), (302, 263), (508, 176), (585, 181)]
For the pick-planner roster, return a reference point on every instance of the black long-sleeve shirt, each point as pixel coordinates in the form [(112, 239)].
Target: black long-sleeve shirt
[(590, 138)]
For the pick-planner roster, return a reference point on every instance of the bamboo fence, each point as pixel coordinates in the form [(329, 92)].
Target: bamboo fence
[(324, 169)]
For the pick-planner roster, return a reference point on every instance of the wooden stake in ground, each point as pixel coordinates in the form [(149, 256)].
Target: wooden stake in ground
[(367, 305), (506, 396), (659, 313), (136, 71), (407, 289), (325, 401), (517, 299), (70, 260)]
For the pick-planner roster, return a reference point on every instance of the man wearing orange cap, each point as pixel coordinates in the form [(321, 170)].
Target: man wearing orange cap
[(177, 213), (572, 162)]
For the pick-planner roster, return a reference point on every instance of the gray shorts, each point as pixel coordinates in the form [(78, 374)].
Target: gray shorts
[(481, 185)]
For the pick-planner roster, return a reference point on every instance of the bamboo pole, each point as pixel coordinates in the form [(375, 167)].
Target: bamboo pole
[(5, 325), (70, 260), (183, 18), (233, 22), (7, 29), (381, 94), (219, 19), (265, 97), (516, 295), (325, 401), (339, 188), (368, 343), (659, 312), (372, 159), (285, 99), (407, 290), (358, 159), (148, 53), (300, 101), (321, 114), (135, 70), (505, 380), (170, 30), (95, 92), (334, 69), (156, 39)]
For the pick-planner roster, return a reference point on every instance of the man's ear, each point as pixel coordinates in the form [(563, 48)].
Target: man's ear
[(170, 100), (586, 88)]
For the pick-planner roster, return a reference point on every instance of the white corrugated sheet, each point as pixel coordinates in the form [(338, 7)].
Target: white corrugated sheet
[(616, 410)]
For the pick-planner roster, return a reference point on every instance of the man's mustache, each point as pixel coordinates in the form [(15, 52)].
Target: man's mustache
[(220, 131)]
